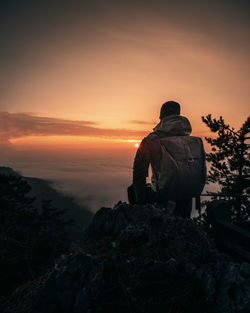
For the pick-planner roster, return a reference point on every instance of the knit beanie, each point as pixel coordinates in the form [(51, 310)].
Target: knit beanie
[(170, 108)]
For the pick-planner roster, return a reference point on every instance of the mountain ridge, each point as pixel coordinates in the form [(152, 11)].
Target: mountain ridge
[(43, 190)]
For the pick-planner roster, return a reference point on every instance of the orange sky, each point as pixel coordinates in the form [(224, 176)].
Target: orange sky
[(113, 65), (75, 143)]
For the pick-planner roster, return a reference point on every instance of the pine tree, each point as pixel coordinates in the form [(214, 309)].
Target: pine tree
[(230, 164), (30, 239)]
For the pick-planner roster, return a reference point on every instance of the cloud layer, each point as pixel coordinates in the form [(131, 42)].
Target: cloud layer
[(142, 122), (16, 125)]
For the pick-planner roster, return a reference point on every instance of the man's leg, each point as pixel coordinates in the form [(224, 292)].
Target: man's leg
[(183, 208), (150, 194), (131, 194)]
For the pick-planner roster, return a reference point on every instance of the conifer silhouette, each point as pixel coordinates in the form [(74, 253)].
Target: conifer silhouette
[(30, 238), (230, 163)]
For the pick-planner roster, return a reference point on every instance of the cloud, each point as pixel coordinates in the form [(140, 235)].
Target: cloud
[(142, 122), (16, 125)]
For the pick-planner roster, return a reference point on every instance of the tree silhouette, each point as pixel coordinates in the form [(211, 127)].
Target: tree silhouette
[(230, 163), (30, 239)]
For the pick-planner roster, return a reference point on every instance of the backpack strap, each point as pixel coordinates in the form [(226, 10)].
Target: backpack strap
[(190, 157)]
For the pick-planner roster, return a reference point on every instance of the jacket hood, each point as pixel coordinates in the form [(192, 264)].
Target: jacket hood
[(174, 125)]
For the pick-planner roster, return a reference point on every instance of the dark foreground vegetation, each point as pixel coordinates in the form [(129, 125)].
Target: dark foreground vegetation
[(33, 232), (230, 164)]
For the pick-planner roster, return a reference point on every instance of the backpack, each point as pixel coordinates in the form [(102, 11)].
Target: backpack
[(182, 170)]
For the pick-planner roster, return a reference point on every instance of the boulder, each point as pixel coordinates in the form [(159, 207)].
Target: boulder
[(139, 258)]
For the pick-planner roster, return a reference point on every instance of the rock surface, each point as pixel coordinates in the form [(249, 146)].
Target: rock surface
[(138, 258)]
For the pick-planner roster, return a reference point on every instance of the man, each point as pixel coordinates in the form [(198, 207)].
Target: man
[(177, 161)]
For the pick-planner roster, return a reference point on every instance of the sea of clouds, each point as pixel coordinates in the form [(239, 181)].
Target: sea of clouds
[(93, 178)]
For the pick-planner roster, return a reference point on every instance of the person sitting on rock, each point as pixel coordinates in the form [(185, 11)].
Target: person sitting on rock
[(177, 161)]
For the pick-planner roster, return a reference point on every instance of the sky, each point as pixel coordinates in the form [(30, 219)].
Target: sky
[(82, 82), (95, 73)]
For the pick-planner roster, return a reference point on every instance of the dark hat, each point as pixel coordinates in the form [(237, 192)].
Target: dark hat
[(170, 108)]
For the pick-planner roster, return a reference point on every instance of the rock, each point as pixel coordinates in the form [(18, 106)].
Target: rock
[(245, 269), (139, 258)]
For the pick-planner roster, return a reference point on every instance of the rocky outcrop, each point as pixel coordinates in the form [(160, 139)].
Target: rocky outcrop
[(139, 258)]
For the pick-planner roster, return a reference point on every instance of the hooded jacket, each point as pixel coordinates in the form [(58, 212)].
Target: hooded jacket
[(149, 151)]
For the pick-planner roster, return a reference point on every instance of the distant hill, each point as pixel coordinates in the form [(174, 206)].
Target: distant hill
[(43, 190)]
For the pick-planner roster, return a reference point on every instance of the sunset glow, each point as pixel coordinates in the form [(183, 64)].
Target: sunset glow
[(82, 83), (71, 141), (89, 73)]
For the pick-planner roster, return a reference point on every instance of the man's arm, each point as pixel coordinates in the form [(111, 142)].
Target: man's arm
[(140, 171)]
